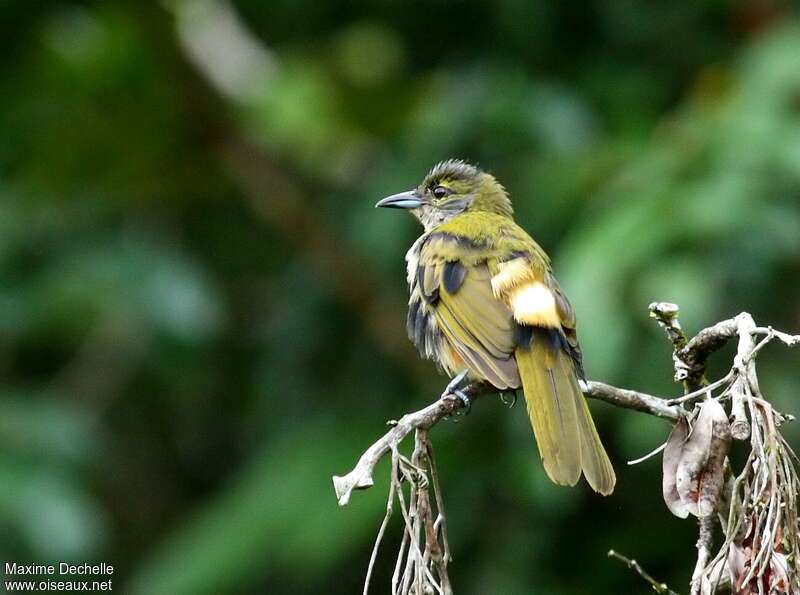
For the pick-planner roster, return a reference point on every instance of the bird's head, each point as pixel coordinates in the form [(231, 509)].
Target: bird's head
[(452, 187)]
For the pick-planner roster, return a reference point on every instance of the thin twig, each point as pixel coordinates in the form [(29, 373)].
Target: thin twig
[(361, 476), (706, 390), (649, 455), (666, 315), (704, 543), (631, 399), (790, 340), (746, 383), (379, 538), (441, 521), (658, 587)]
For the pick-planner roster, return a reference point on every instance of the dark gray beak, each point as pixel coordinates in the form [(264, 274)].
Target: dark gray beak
[(404, 200)]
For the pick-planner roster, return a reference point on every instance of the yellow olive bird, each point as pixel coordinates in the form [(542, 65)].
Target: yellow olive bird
[(485, 305)]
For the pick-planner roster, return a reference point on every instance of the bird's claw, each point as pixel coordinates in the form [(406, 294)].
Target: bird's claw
[(509, 399), (453, 385), (453, 390), (464, 399)]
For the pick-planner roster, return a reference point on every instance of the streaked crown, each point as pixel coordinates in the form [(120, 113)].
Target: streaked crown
[(455, 185)]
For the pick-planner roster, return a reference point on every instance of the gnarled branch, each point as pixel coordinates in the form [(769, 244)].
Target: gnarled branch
[(769, 473)]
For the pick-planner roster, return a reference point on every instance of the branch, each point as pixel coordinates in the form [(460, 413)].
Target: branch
[(759, 514), (360, 478), (690, 356), (709, 340), (631, 399), (704, 544), (762, 496), (658, 587), (746, 382), (666, 315)]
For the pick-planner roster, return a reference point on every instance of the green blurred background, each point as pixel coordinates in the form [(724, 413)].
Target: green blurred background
[(202, 314)]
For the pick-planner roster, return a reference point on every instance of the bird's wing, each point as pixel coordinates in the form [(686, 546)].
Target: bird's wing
[(566, 315), (549, 362), (453, 283)]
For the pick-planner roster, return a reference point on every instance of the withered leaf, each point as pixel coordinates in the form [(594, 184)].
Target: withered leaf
[(693, 464), (712, 478), (671, 458), (737, 558), (780, 581)]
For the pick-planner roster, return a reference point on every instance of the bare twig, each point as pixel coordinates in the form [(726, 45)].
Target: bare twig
[(695, 354), (421, 565), (361, 476), (649, 455), (753, 552), (689, 360), (379, 538), (690, 355), (440, 525), (709, 340), (790, 340), (705, 391), (666, 315), (704, 544), (744, 365), (630, 399), (658, 587)]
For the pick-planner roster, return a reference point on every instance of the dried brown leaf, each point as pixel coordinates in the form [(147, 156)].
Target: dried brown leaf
[(712, 478), (693, 462), (736, 565), (779, 565), (672, 453)]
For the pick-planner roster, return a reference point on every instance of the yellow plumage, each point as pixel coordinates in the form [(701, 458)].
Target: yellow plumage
[(483, 298), (565, 433)]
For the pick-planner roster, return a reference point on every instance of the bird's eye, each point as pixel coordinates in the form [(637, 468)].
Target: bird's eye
[(440, 192)]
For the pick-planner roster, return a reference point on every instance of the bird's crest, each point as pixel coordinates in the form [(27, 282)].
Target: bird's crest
[(451, 169)]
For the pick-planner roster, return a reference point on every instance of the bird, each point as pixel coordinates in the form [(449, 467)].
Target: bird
[(485, 306)]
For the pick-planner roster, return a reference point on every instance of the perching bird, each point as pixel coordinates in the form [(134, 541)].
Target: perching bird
[(484, 301)]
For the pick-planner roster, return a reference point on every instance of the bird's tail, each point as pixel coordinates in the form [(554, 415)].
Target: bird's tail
[(565, 432)]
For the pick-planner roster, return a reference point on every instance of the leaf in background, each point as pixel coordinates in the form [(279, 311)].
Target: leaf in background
[(279, 517), (45, 447), (50, 511), (44, 427)]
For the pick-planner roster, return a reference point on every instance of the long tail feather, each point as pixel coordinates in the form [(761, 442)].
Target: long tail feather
[(565, 433), (594, 460), (551, 408)]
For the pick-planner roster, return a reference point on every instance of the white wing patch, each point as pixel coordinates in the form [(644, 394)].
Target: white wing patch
[(534, 304), (531, 301), (512, 273)]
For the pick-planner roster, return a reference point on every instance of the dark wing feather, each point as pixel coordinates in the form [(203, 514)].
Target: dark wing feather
[(477, 328), (568, 324)]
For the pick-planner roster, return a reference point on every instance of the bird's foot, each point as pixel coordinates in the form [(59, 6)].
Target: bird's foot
[(453, 385), (508, 399), (464, 399), (453, 389)]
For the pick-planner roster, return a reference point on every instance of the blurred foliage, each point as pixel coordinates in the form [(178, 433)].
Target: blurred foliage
[(202, 316)]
